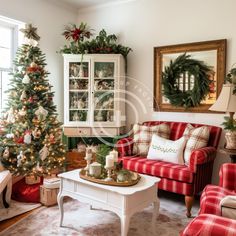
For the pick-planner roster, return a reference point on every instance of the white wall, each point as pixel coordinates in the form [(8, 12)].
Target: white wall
[(144, 24), (50, 20)]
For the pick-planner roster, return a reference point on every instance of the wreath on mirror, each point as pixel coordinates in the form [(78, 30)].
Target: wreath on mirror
[(196, 71)]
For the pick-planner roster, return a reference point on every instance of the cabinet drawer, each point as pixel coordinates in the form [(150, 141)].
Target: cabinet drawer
[(76, 131), (104, 131)]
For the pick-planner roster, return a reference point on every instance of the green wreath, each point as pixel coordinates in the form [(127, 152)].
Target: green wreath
[(200, 88)]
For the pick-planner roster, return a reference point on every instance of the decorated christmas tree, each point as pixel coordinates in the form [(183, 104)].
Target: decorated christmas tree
[(31, 143)]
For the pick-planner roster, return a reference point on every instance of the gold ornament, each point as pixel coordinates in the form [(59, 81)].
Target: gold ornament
[(33, 64), (41, 113)]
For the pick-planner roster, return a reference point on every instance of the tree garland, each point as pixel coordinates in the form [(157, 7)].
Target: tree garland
[(200, 72)]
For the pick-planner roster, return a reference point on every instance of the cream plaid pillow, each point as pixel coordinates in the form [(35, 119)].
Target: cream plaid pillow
[(143, 136), (196, 138)]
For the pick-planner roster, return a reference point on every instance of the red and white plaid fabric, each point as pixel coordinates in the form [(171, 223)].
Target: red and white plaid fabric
[(228, 176), (211, 197), (196, 138), (143, 136), (210, 220), (158, 168), (210, 225), (212, 194), (186, 180)]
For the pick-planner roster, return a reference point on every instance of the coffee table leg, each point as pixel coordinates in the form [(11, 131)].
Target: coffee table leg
[(156, 206), (61, 209), (124, 224)]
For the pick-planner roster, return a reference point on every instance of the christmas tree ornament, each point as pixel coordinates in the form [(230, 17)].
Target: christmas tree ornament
[(20, 157), (27, 137), (41, 113), (51, 138), (23, 96), (19, 139), (39, 168), (33, 65), (36, 133), (6, 153), (26, 79), (30, 100), (10, 135), (35, 121), (10, 116), (43, 153), (23, 111)]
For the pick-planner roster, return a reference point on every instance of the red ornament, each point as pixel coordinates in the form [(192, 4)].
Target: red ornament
[(34, 69), (19, 140), (30, 100), (52, 138)]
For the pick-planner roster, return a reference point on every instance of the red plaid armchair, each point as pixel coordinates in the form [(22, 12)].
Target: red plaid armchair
[(181, 179), (210, 220)]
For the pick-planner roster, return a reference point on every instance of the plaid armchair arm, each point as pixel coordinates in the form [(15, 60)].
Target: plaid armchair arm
[(211, 225), (228, 176), (125, 147), (201, 156)]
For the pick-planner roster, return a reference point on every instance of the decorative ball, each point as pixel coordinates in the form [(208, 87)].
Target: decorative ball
[(33, 64), (26, 79)]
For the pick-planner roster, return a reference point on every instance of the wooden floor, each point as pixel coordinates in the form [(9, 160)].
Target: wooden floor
[(7, 223)]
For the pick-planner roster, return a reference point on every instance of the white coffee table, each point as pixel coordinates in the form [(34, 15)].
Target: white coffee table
[(124, 201)]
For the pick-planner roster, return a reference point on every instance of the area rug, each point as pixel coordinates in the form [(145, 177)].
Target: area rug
[(16, 208), (80, 220)]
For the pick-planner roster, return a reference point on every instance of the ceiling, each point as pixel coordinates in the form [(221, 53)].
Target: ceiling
[(78, 4)]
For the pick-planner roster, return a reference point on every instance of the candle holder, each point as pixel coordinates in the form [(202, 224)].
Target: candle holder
[(109, 171), (88, 159)]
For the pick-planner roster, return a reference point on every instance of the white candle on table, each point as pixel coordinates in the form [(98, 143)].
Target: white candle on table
[(109, 161), (114, 154)]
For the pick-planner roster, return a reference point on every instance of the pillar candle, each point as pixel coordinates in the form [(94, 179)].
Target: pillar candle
[(114, 154), (109, 161)]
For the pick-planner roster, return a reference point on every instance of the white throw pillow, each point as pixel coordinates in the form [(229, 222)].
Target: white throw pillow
[(143, 136), (228, 206), (196, 138), (166, 150)]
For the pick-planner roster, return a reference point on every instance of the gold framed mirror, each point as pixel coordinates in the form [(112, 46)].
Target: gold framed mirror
[(210, 53)]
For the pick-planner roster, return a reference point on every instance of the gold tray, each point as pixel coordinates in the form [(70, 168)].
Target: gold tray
[(83, 175)]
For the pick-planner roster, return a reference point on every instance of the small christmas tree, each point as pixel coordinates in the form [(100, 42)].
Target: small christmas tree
[(31, 143)]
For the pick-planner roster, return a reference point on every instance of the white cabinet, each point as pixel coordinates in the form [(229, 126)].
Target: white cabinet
[(94, 94)]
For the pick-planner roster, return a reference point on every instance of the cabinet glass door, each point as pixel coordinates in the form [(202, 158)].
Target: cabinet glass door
[(104, 91), (79, 91)]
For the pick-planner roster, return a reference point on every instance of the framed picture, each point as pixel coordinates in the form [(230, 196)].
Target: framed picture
[(210, 53)]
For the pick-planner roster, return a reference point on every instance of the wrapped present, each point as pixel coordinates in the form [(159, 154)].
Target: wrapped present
[(48, 197), (51, 182)]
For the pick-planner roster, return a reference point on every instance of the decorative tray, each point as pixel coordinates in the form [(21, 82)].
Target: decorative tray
[(83, 175)]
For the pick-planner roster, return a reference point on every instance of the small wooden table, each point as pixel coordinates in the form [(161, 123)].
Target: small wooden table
[(124, 201), (230, 152)]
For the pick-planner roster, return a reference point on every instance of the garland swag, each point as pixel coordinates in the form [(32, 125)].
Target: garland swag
[(171, 74)]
